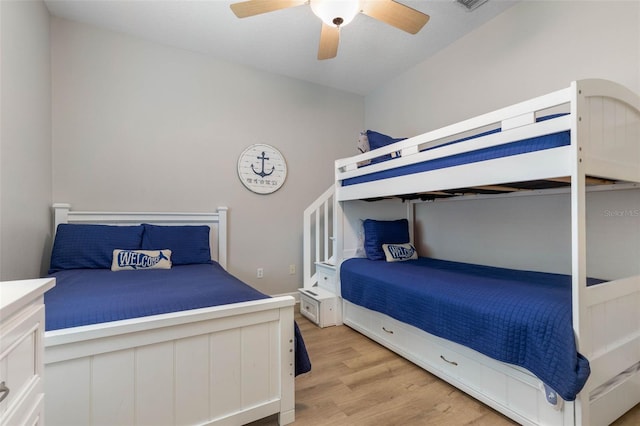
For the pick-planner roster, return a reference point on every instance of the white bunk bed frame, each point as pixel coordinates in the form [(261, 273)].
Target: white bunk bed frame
[(229, 364), (604, 120)]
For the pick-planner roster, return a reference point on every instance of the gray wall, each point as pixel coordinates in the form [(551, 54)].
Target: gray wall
[(531, 49), (25, 139), (141, 126)]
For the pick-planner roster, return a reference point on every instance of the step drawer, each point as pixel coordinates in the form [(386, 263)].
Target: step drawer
[(310, 308)]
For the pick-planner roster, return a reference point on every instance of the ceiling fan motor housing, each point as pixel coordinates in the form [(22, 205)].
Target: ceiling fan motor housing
[(335, 12)]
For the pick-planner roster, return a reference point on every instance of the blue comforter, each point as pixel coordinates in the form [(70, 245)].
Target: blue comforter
[(91, 296), (518, 317)]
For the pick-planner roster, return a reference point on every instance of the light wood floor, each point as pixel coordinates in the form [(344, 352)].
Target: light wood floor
[(356, 382)]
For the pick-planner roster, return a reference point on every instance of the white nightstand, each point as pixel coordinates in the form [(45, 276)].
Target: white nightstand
[(319, 305)]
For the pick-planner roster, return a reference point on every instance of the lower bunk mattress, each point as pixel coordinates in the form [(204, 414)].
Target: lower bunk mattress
[(519, 317), (93, 296)]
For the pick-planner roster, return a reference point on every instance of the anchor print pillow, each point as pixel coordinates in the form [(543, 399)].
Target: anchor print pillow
[(124, 260), (399, 252)]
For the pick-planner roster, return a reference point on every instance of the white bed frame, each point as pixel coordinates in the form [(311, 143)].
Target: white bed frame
[(604, 121), (223, 365)]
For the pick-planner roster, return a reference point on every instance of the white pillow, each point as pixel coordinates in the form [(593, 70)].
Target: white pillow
[(360, 248), (399, 252), (140, 259), (363, 146)]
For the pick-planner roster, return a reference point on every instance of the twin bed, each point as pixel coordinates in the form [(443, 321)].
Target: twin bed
[(161, 337), (541, 348)]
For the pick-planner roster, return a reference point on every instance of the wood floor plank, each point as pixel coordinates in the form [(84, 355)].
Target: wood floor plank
[(356, 382)]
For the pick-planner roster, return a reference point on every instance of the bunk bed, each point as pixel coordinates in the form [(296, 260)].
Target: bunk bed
[(187, 343), (587, 134)]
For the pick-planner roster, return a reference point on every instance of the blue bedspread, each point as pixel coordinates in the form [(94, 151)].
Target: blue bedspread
[(519, 317), (91, 296)]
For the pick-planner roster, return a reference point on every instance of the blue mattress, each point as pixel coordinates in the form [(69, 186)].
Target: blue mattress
[(92, 296), (518, 317), (554, 140)]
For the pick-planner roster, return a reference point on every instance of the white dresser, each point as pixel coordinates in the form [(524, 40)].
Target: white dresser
[(22, 351)]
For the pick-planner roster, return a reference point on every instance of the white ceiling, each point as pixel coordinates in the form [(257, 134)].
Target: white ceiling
[(286, 41)]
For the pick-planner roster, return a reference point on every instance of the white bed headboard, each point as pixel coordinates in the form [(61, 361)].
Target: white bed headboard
[(217, 221)]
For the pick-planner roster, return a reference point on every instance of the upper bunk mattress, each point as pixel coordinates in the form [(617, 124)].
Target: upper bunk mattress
[(554, 140), (518, 317)]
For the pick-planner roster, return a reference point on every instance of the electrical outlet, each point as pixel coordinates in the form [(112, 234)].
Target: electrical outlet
[(292, 269), (260, 273)]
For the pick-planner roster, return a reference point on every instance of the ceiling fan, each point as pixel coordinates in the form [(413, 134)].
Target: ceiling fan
[(335, 14)]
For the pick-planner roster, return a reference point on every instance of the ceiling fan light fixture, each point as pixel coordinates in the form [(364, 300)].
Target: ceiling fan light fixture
[(336, 13)]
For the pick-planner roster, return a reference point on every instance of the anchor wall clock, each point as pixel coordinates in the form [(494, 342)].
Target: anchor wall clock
[(262, 168)]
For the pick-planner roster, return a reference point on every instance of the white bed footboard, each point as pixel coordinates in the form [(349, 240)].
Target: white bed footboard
[(223, 365), (614, 332)]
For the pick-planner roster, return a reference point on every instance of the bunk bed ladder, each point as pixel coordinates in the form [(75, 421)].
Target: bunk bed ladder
[(318, 238)]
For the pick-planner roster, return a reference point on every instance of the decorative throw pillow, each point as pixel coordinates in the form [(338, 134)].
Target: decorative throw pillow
[(399, 252), (378, 232), (189, 244), (141, 259)]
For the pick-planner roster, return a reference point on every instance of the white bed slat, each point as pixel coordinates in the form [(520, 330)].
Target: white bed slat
[(64, 379), (225, 367), (154, 369), (113, 388)]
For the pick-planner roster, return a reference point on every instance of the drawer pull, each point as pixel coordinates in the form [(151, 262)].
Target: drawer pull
[(447, 361), (4, 391), (387, 331)]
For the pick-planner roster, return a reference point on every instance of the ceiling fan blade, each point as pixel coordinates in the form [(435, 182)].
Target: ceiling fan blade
[(256, 7), (329, 40), (395, 14)]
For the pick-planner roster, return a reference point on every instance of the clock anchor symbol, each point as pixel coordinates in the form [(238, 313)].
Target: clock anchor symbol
[(262, 173)]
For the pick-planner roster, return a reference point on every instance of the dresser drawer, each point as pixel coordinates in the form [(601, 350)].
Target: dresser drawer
[(310, 308), (19, 359)]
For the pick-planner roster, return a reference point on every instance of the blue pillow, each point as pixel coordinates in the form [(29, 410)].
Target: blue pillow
[(379, 232), (378, 140), (189, 244), (83, 246)]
